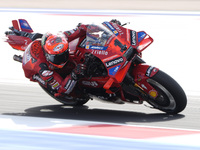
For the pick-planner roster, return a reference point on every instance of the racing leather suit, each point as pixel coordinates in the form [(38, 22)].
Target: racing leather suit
[(38, 69)]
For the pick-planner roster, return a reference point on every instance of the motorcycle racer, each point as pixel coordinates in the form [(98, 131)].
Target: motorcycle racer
[(43, 59)]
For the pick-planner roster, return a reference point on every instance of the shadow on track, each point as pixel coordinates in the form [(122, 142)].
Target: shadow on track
[(101, 115)]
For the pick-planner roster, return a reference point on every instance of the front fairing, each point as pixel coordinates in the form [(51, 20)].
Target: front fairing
[(104, 44), (115, 46)]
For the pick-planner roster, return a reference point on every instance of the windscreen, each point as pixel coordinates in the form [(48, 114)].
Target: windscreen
[(97, 37)]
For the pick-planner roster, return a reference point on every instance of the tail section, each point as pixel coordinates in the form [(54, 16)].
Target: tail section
[(15, 25), (22, 25), (14, 38)]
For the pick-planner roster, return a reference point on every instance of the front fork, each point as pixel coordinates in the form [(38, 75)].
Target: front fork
[(130, 87), (135, 83)]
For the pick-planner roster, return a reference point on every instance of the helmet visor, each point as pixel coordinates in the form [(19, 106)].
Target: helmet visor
[(58, 58)]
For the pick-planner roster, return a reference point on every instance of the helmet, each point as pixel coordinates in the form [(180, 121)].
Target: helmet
[(56, 50)]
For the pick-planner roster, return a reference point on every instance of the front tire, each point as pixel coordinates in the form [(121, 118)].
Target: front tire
[(171, 97)]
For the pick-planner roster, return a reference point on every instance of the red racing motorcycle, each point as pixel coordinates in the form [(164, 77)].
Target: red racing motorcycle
[(113, 54)]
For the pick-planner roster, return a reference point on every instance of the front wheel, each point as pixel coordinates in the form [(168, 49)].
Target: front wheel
[(171, 97)]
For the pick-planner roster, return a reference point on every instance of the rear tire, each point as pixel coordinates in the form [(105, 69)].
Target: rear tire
[(171, 97), (64, 100)]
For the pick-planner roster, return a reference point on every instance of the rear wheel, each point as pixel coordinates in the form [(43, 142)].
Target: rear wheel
[(171, 97), (66, 100)]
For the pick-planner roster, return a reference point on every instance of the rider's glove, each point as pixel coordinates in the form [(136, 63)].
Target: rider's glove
[(17, 32), (79, 71), (32, 36), (116, 21)]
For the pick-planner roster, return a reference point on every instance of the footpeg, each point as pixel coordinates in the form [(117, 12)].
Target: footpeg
[(17, 58)]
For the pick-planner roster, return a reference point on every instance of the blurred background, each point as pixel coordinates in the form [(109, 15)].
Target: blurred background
[(189, 5)]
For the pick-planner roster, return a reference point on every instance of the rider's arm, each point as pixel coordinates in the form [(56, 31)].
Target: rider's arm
[(70, 81), (32, 36), (75, 33), (52, 80)]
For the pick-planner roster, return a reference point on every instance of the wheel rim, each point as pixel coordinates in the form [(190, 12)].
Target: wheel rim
[(164, 100)]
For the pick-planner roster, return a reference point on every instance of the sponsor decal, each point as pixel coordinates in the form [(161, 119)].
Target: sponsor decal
[(72, 31), (111, 28), (99, 52), (141, 35), (87, 46), (96, 47), (47, 73), (118, 29), (27, 56), (83, 43), (67, 85), (56, 85), (153, 93), (133, 37), (115, 32), (58, 47), (49, 80), (149, 71), (143, 86), (114, 62), (24, 24), (114, 70), (70, 86), (90, 83), (39, 79)]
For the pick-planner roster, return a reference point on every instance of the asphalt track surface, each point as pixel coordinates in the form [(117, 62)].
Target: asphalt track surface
[(21, 100)]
